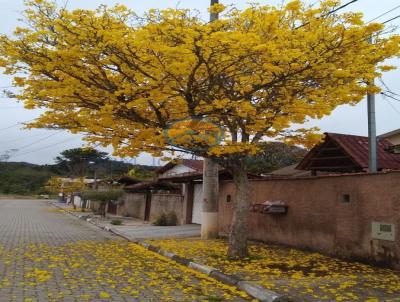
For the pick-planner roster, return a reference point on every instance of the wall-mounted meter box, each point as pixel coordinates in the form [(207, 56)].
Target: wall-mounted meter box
[(383, 231)]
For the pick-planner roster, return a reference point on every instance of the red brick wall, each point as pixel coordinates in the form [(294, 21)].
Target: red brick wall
[(317, 219)]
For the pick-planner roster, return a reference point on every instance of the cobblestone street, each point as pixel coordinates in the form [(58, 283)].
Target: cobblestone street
[(46, 255)]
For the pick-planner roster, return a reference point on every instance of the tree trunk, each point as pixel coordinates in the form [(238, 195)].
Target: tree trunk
[(73, 201), (83, 204), (103, 207), (209, 215), (239, 227)]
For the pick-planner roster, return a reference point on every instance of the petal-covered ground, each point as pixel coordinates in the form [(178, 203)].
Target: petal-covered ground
[(302, 275), (96, 271), (46, 255)]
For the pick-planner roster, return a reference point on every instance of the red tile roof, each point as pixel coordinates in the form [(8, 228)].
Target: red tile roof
[(194, 164), (356, 147)]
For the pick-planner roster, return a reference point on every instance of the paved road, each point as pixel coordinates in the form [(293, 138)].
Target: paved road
[(46, 255)]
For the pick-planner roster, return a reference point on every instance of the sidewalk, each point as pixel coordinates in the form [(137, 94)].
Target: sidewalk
[(133, 228)]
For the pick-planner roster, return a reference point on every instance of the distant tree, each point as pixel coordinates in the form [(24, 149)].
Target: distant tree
[(108, 168), (76, 161), (140, 173), (6, 155), (70, 186), (58, 184), (273, 156)]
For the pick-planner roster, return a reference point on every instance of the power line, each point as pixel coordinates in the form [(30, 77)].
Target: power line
[(315, 3), (393, 107), (10, 127), (391, 92), (39, 140), (390, 96), (17, 124), (329, 13), (385, 13), (387, 87), (45, 147), (394, 18), (381, 32), (22, 138), (340, 7)]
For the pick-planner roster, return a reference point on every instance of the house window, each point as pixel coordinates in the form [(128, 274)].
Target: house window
[(228, 198), (345, 198)]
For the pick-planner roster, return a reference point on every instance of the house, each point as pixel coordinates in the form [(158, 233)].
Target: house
[(189, 174), (343, 153), (392, 136), (180, 167)]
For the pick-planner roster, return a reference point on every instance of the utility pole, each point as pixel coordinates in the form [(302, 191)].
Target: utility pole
[(372, 133), (213, 16), (209, 215), (372, 163)]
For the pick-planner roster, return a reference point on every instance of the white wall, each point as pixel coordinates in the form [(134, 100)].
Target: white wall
[(197, 203), (394, 139)]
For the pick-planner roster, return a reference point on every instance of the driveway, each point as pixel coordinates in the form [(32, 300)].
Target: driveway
[(46, 255)]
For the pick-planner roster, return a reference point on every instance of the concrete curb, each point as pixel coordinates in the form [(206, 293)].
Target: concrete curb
[(251, 288), (259, 292), (201, 268)]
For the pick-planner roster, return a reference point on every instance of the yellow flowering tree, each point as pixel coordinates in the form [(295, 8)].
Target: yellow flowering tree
[(123, 79), (58, 184), (65, 186)]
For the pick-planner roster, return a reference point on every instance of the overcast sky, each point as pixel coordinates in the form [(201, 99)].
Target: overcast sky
[(41, 146)]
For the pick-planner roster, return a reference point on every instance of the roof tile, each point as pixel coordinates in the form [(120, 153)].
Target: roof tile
[(357, 148)]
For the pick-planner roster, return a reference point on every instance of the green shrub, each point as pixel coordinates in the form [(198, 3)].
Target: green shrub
[(169, 219), (161, 220), (172, 219), (116, 222), (103, 196)]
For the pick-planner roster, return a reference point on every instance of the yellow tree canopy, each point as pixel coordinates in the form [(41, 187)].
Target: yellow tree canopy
[(58, 184), (123, 78)]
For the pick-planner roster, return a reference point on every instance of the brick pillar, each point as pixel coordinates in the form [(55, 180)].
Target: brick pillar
[(188, 189)]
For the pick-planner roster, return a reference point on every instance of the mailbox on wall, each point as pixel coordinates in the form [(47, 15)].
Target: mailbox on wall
[(276, 209), (270, 207), (383, 231)]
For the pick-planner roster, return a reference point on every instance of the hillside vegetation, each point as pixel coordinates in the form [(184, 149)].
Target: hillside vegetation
[(20, 178)]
